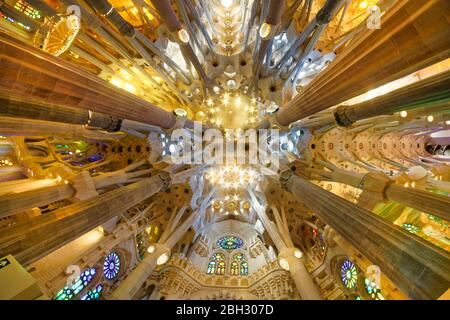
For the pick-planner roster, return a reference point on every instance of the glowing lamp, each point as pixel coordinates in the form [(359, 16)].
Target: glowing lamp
[(265, 30), (183, 35), (284, 264), (162, 259), (298, 254)]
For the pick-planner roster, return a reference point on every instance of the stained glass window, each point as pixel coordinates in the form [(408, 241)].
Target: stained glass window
[(211, 267), (234, 268), (349, 274), (239, 265), (411, 228), (217, 264), (373, 290), (219, 256), (27, 9), (221, 267), (244, 268), (111, 266), (239, 257), (230, 243), (93, 294), (83, 280)]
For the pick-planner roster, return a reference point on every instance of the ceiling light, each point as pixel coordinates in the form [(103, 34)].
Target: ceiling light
[(284, 264), (265, 30), (180, 113), (183, 35), (226, 3), (162, 259), (403, 114)]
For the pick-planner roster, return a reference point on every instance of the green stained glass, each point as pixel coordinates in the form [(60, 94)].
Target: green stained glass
[(244, 268), (217, 264), (349, 274), (373, 291), (230, 243), (234, 268), (69, 293), (93, 294), (411, 228), (211, 267)]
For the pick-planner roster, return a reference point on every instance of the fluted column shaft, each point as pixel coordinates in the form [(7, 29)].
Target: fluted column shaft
[(128, 288), (431, 91), (10, 126), (30, 72), (14, 203), (378, 184), (17, 107), (38, 237), (418, 268), (414, 35), (165, 10), (425, 201), (303, 281), (137, 277)]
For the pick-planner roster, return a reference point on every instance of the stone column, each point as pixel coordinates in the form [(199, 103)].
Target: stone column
[(31, 127), (413, 35), (170, 19), (34, 74), (289, 258), (30, 240), (14, 203), (29, 109), (292, 260), (418, 268), (378, 187), (433, 91), (157, 255)]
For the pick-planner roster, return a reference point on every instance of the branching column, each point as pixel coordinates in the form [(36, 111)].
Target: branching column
[(33, 239), (290, 258), (159, 253), (36, 75), (418, 268), (413, 35)]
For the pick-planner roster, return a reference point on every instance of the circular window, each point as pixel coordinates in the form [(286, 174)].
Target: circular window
[(111, 266), (230, 243), (349, 274)]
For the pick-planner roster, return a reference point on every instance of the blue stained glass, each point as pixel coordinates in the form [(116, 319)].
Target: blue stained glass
[(244, 268), (83, 280), (93, 294), (230, 243), (373, 290), (111, 266), (349, 274)]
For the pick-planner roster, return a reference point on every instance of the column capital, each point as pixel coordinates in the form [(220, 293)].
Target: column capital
[(288, 256), (284, 177)]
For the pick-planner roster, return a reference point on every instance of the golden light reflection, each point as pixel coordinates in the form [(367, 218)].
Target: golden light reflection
[(232, 176), (231, 110)]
